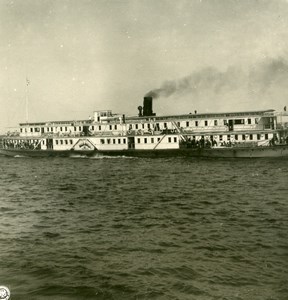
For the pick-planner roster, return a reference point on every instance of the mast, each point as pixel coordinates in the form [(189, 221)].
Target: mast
[(26, 99)]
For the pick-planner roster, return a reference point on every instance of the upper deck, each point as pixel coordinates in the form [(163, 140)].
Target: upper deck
[(106, 123)]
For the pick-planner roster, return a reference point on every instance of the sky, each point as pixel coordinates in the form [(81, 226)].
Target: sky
[(68, 58)]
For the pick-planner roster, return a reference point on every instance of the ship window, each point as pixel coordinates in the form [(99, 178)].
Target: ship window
[(258, 136), (165, 125), (43, 143), (175, 139), (238, 121), (102, 141), (61, 142), (228, 137), (215, 122), (143, 126), (66, 142), (138, 141), (31, 129), (114, 141), (136, 126), (196, 123), (108, 141), (124, 141), (236, 137), (110, 127), (71, 142), (145, 140), (119, 141), (220, 137), (251, 136), (60, 128), (243, 137), (266, 136), (79, 128), (249, 121), (99, 127), (169, 139), (66, 129), (115, 127), (148, 126), (158, 139), (152, 140), (206, 123), (75, 129), (187, 124), (56, 142), (92, 127)]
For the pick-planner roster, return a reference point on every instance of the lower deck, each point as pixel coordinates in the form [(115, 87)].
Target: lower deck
[(247, 145), (141, 142)]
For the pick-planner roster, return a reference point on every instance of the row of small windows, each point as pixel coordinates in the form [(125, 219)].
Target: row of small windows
[(64, 142), (156, 140), (113, 141), (51, 129), (138, 126), (243, 137), (139, 140), (248, 136)]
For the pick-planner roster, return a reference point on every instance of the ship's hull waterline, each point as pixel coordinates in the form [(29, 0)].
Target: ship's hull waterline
[(245, 152)]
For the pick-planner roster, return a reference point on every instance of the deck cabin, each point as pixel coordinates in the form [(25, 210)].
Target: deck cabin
[(105, 123)]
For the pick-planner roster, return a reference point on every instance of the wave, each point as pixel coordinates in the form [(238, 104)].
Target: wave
[(78, 156), (103, 156)]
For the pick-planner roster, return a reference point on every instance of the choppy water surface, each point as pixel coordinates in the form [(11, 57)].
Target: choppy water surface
[(135, 228)]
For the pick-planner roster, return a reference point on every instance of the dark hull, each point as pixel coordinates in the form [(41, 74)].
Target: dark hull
[(44, 153), (248, 152)]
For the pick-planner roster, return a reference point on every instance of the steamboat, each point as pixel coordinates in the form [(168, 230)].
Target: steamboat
[(231, 134)]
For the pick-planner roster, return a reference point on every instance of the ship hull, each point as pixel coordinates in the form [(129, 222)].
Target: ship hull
[(44, 153), (245, 152), (233, 152)]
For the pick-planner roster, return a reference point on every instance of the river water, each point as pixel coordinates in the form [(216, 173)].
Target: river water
[(144, 228)]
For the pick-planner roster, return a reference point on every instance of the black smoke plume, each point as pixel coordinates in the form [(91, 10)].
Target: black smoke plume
[(269, 76)]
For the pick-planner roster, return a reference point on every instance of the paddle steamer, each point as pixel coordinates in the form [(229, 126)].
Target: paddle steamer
[(231, 134)]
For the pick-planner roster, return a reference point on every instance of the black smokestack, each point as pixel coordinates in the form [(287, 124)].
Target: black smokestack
[(147, 106)]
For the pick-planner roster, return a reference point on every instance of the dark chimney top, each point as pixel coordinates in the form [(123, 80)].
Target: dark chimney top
[(147, 106)]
